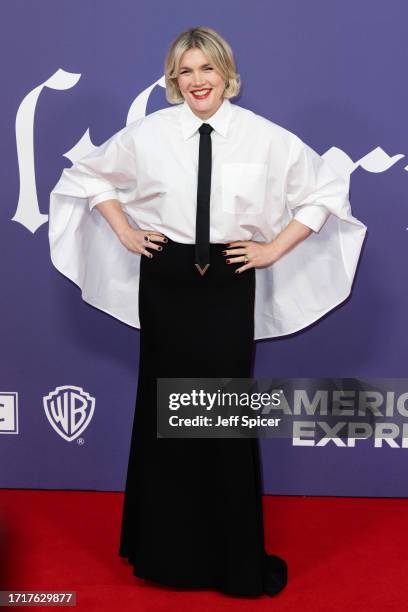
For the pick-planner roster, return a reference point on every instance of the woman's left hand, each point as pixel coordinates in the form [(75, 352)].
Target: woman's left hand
[(255, 254)]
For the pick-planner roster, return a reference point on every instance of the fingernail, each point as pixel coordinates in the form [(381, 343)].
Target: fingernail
[(160, 248), (238, 271), (165, 240), (146, 238), (228, 261), (150, 255), (224, 252)]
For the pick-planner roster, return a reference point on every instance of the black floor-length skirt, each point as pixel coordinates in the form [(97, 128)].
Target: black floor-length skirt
[(192, 514)]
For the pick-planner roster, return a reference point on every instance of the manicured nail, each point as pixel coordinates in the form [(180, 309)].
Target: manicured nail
[(238, 271), (228, 261), (165, 240), (160, 248), (224, 252)]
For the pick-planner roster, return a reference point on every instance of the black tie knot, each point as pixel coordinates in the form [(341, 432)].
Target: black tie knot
[(205, 128)]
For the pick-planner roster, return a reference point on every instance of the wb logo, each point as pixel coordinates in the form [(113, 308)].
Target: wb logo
[(69, 410)]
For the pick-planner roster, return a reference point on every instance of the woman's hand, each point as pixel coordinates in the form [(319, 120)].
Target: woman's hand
[(256, 254), (138, 241), (263, 254)]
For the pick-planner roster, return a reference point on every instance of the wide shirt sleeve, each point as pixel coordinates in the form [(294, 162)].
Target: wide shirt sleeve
[(83, 245), (317, 274)]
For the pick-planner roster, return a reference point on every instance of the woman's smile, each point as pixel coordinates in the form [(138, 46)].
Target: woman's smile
[(201, 94)]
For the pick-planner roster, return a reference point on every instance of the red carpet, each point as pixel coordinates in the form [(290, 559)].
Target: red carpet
[(342, 553)]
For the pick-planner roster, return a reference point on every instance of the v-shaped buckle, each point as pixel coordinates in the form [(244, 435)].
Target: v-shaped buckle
[(203, 270)]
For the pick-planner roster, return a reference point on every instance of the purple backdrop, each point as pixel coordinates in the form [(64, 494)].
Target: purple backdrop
[(332, 77)]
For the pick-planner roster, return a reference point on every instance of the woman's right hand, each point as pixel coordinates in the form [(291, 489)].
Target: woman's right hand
[(136, 240)]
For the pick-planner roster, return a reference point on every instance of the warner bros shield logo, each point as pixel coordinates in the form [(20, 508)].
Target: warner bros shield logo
[(69, 410)]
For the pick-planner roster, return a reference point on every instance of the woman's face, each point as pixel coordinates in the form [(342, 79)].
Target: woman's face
[(197, 75)]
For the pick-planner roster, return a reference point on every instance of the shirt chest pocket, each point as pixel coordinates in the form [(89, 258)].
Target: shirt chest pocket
[(243, 187)]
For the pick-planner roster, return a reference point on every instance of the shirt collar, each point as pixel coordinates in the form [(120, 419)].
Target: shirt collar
[(219, 121)]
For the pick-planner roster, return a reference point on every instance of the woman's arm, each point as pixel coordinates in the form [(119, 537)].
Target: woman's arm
[(294, 233), (133, 239), (115, 216), (263, 254), (312, 191)]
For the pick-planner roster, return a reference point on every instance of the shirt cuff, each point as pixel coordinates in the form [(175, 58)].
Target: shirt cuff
[(312, 215), (101, 197)]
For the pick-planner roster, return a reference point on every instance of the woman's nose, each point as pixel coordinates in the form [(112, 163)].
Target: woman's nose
[(198, 79)]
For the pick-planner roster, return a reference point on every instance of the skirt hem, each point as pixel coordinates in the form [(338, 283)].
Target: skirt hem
[(274, 581)]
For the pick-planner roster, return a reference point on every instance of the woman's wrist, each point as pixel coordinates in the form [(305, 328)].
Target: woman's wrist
[(273, 251), (123, 230), (294, 233)]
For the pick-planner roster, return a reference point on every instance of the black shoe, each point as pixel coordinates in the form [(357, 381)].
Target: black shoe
[(275, 574)]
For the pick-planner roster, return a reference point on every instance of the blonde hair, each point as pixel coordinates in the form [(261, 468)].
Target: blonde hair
[(215, 48)]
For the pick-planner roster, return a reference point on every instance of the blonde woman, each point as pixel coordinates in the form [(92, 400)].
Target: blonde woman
[(126, 226)]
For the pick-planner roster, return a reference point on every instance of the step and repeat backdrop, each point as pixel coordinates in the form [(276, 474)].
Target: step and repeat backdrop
[(73, 74)]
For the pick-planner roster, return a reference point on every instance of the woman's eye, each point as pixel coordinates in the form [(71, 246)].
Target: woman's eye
[(186, 71)]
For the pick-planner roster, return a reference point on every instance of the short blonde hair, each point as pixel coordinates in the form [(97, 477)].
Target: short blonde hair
[(215, 48)]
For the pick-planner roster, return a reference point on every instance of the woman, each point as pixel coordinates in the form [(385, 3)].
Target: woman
[(202, 284)]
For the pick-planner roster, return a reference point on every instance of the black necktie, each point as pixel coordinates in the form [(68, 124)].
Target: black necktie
[(202, 246)]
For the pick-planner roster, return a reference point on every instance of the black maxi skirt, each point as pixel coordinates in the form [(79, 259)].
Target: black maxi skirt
[(192, 513)]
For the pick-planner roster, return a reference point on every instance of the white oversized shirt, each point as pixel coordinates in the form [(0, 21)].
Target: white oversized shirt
[(262, 177)]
